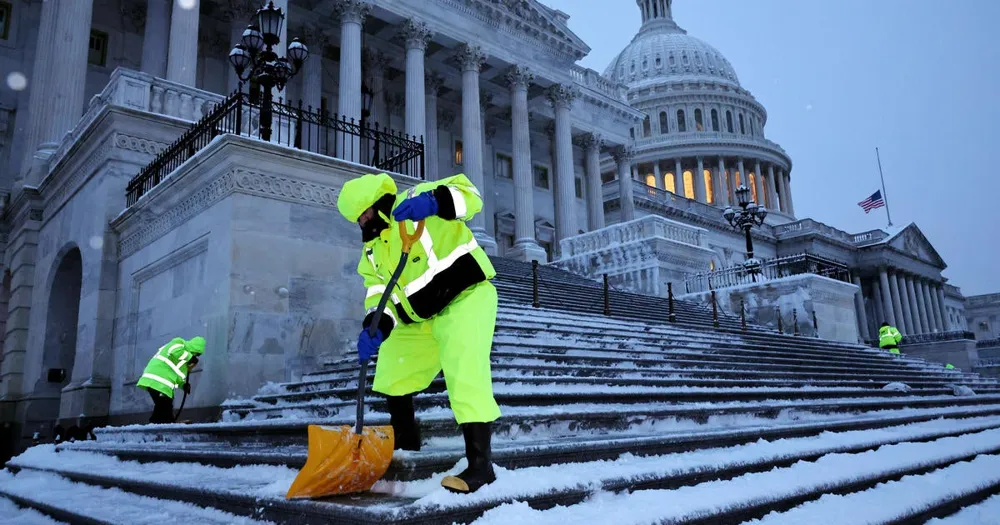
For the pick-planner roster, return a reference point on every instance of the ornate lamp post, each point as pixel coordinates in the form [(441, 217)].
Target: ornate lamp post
[(749, 215), (255, 59)]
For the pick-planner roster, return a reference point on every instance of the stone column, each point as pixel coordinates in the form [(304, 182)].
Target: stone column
[(779, 186), (373, 67), (859, 306), (432, 86), (41, 81), (935, 306), (678, 178), (744, 181), (156, 36), (890, 298), (787, 180), (904, 302), (592, 143), (658, 176), (945, 320), (471, 58), (722, 188), (312, 72), (759, 183), (182, 60), (417, 36), (489, 191), (928, 306), (700, 191), (351, 14), (525, 247), (561, 96), (623, 157), (911, 295), (918, 290), (64, 96), (877, 303)]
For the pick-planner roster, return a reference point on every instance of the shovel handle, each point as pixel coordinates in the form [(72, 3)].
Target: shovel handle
[(408, 239)]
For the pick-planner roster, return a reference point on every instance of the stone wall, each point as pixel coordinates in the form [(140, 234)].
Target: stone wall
[(244, 246), (961, 352), (796, 296)]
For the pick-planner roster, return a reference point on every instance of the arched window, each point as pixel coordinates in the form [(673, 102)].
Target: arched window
[(681, 125), (753, 187), (668, 182), (645, 63), (684, 58), (651, 180), (664, 125), (659, 61), (709, 190), (698, 124), (688, 184), (729, 120), (715, 120), (645, 126), (673, 62), (743, 130)]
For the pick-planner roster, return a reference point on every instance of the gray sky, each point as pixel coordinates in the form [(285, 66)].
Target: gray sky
[(917, 78)]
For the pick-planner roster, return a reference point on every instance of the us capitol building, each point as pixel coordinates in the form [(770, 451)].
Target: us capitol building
[(147, 196)]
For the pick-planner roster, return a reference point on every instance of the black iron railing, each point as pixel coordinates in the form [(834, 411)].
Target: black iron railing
[(294, 126), (767, 270)]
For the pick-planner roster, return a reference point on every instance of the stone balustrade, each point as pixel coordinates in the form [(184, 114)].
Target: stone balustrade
[(142, 92), (593, 80), (708, 137), (648, 227)]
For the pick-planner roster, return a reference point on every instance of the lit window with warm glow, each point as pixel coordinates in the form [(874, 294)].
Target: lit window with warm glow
[(668, 182), (458, 152), (651, 180), (737, 178), (688, 184), (711, 266), (709, 191)]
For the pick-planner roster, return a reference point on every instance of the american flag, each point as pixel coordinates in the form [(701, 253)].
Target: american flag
[(872, 202)]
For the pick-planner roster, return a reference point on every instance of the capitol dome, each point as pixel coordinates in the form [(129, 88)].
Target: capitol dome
[(662, 51), (702, 137)]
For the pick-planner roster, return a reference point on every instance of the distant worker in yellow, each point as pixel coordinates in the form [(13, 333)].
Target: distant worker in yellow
[(889, 338), (168, 370)]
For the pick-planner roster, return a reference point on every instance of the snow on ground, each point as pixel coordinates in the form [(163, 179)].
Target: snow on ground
[(896, 386), (645, 506), (112, 505), (895, 499), (985, 513), (11, 514)]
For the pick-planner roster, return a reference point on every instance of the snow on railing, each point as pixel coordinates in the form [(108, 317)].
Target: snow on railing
[(644, 228), (593, 80)]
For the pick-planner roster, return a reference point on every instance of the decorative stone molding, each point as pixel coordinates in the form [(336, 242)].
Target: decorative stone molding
[(237, 180), (352, 11), (415, 34), (562, 95), (62, 189), (622, 154), (519, 77), (139, 144), (470, 57), (239, 10), (432, 83)]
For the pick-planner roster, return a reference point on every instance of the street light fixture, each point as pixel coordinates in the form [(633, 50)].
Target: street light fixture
[(749, 215), (254, 59)]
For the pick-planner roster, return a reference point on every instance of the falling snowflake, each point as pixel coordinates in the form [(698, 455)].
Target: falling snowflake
[(17, 81), (96, 242), (187, 4), (809, 107)]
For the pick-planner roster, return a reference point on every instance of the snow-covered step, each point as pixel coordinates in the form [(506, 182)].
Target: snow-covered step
[(765, 489), (913, 498), (751, 478), (529, 451), (81, 503), (11, 514), (981, 513)]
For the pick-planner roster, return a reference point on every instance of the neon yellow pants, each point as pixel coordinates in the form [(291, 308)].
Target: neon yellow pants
[(458, 340)]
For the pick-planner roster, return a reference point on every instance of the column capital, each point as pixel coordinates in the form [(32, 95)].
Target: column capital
[(622, 154), (589, 141), (561, 95), (470, 57), (239, 10), (519, 77), (415, 34), (433, 83), (315, 38), (352, 11)]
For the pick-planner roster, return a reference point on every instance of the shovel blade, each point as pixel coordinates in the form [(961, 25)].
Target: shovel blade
[(342, 462)]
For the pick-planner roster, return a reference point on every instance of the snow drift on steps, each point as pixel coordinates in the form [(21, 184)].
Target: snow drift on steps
[(645, 506), (985, 513), (11, 514)]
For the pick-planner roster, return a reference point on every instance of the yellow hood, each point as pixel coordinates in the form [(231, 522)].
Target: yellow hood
[(359, 194)]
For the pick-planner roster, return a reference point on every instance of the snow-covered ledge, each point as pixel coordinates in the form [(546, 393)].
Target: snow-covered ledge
[(641, 255)]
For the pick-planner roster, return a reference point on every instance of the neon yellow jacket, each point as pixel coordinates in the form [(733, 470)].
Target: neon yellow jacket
[(167, 369), (888, 336), (446, 260)]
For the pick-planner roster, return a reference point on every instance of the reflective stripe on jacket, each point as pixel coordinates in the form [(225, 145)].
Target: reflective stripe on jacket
[(446, 260), (167, 369), (888, 336)]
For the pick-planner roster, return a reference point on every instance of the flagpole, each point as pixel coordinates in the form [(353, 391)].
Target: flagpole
[(885, 196)]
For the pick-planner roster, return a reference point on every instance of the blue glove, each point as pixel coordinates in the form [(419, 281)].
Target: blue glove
[(368, 345), (416, 208)]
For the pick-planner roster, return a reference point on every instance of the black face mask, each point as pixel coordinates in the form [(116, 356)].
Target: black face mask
[(373, 228)]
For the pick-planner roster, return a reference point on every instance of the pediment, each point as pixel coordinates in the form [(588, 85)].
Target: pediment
[(912, 241)]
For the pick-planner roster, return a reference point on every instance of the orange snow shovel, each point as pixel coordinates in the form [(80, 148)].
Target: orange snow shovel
[(343, 460)]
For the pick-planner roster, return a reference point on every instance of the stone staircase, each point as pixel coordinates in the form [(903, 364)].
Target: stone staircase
[(625, 407)]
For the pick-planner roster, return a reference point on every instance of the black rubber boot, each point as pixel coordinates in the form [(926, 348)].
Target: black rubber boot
[(477, 451), (404, 424)]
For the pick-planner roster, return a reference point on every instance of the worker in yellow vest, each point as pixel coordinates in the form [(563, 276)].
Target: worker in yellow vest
[(168, 370), (889, 338)]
